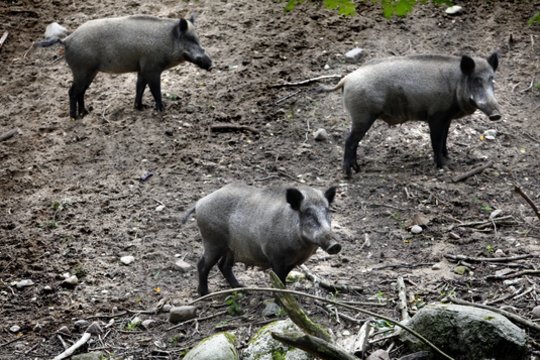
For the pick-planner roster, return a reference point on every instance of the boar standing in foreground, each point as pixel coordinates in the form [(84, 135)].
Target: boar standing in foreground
[(275, 227), (141, 43), (429, 88)]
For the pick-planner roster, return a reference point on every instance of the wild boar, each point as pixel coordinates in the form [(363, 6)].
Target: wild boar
[(275, 227), (432, 88), (145, 44)]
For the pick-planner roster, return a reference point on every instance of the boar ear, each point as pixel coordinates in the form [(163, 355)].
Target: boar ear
[(294, 198), (192, 19), (493, 60), (183, 25), (467, 65), (330, 194)]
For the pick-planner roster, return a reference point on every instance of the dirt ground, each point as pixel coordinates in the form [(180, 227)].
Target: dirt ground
[(72, 202)]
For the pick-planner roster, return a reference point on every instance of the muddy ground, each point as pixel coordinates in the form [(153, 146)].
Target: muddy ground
[(72, 202)]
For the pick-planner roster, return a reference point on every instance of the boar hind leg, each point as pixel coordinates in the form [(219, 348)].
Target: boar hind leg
[(360, 125), (81, 82), (438, 131), (141, 85), (207, 261), (225, 266)]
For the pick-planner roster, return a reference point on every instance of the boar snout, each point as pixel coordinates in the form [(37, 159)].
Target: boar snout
[(333, 248), (204, 62)]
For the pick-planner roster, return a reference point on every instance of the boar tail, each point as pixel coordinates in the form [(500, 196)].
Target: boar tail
[(339, 85), (54, 33), (187, 214)]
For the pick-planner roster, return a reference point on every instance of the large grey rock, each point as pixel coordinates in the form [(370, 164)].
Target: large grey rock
[(263, 347), (220, 346), (466, 332)]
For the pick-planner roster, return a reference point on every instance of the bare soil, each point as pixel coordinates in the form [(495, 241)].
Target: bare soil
[(72, 200)]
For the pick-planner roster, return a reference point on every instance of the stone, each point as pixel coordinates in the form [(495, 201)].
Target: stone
[(24, 283), (295, 276), (320, 135), (182, 313), (536, 312), (454, 10), (461, 270), (263, 347), (81, 324), (148, 323), (183, 266), (490, 134), (353, 55), (416, 229), (126, 260), (475, 333), (71, 281), (94, 355), (499, 253), (15, 329), (379, 355), (220, 346), (136, 322), (436, 266), (271, 309)]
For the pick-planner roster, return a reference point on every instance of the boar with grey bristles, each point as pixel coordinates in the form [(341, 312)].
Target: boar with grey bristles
[(430, 88), (144, 44), (274, 227)]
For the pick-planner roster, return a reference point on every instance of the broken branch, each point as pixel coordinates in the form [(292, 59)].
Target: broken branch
[(9, 134), (329, 301), (328, 285), (498, 221), (528, 200), (3, 38), (511, 316), (313, 345), (402, 295), (83, 340), (308, 81), (513, 275), (482, 259), (472, 172), (232, 127)]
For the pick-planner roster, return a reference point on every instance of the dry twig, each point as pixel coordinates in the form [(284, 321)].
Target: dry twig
[(3, 38), (528, 200), (9, 134), (484, 259), (402, 295), (472, 172), (308, 81), (83, 340), (314, 345), (232, 127), (513, 275), (328, 285)]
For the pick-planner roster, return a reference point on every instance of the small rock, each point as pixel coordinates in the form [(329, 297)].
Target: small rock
[(15, 329), (320, 135), (182, 313), (128, 259), (47, 289), (490, 134), (416, 229), (136, 321), (499, 253), (160, 208), (167, 308), (326, 67), (295, 276), (461, 270), (71, 281), (94, 355), (354, 55), (81, 324), (454, 10), (271, 309), (148, 323), (346, 333), (183, 266), (24, 283), (536, 312), (379, 355), (436, 266), (94, 329)]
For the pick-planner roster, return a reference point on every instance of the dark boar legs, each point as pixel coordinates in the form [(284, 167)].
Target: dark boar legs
[(359, 128), (438, 131), (154, 83), (208, 260), (81, 82)]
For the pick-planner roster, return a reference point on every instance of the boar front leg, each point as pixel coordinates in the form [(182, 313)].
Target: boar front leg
[(438, 131), (225, 266), (154, 83), (360, 125)]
